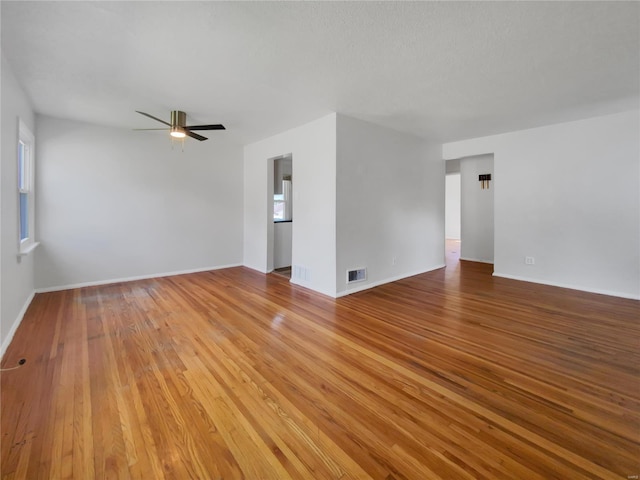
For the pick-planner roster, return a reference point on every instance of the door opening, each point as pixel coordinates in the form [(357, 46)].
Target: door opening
[(282, 215), (452, 211), (476, 208)]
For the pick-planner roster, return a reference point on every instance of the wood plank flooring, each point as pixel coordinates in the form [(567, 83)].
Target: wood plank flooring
[(231, 374)]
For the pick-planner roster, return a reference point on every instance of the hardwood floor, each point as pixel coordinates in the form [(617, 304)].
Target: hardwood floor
[(231, 374), (284, 271)]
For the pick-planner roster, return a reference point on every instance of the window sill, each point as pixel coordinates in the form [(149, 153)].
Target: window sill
[(27, 250)]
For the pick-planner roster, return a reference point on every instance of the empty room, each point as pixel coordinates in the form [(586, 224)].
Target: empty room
[(320, 240)]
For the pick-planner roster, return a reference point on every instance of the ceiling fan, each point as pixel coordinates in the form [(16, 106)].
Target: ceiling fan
[(178, 127)]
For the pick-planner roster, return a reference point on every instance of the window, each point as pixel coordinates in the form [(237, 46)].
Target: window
[(278, 207), (26, 201), (282, 200), (282, 203)]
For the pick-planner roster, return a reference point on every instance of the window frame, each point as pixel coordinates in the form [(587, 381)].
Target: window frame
[(25, 182)]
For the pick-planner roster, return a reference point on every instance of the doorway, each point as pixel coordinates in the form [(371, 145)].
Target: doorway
[(282, 214), (473, 199), (452, 211)]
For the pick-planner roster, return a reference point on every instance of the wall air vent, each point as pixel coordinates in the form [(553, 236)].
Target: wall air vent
[(357, 275), (301, 273)]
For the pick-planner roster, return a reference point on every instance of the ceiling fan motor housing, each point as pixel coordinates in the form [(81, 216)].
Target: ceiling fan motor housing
[(178, 118)]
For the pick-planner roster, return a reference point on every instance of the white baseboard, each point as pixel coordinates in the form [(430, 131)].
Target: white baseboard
[(12, 331), (132, 279), (572, 287), (386, 280), (467, 259), (299, 283)]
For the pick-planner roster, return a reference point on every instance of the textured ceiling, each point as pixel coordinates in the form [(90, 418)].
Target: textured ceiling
[(440, 70)]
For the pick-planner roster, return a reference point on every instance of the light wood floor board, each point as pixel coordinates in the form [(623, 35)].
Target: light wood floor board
[(231, 374)]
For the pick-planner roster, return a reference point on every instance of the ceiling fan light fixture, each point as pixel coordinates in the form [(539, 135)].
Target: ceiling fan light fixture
[(178, 127), (177, 132)]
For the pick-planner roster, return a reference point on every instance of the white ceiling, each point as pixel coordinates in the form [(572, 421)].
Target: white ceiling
[(440, 70)]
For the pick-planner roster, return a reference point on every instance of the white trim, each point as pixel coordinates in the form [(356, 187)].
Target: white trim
[(572, 287), (12, 331), (305, 285), (467, 259), (386, 280), (26, 137), (132, 279), (27, 250)]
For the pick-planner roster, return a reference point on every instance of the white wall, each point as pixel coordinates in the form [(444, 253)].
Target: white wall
[(17, 282), (568, 195), (282, 244), (313, 147), (476, 212), (452, 206), (390, 204), (115, 204)]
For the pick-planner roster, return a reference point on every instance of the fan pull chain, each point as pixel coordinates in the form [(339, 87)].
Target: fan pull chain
[(173, 140)]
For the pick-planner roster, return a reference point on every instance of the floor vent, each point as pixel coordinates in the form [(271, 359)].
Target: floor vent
[(357, 275)]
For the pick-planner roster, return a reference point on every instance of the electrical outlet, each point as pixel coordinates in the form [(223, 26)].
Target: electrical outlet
[(394, 260), (529, 261)]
